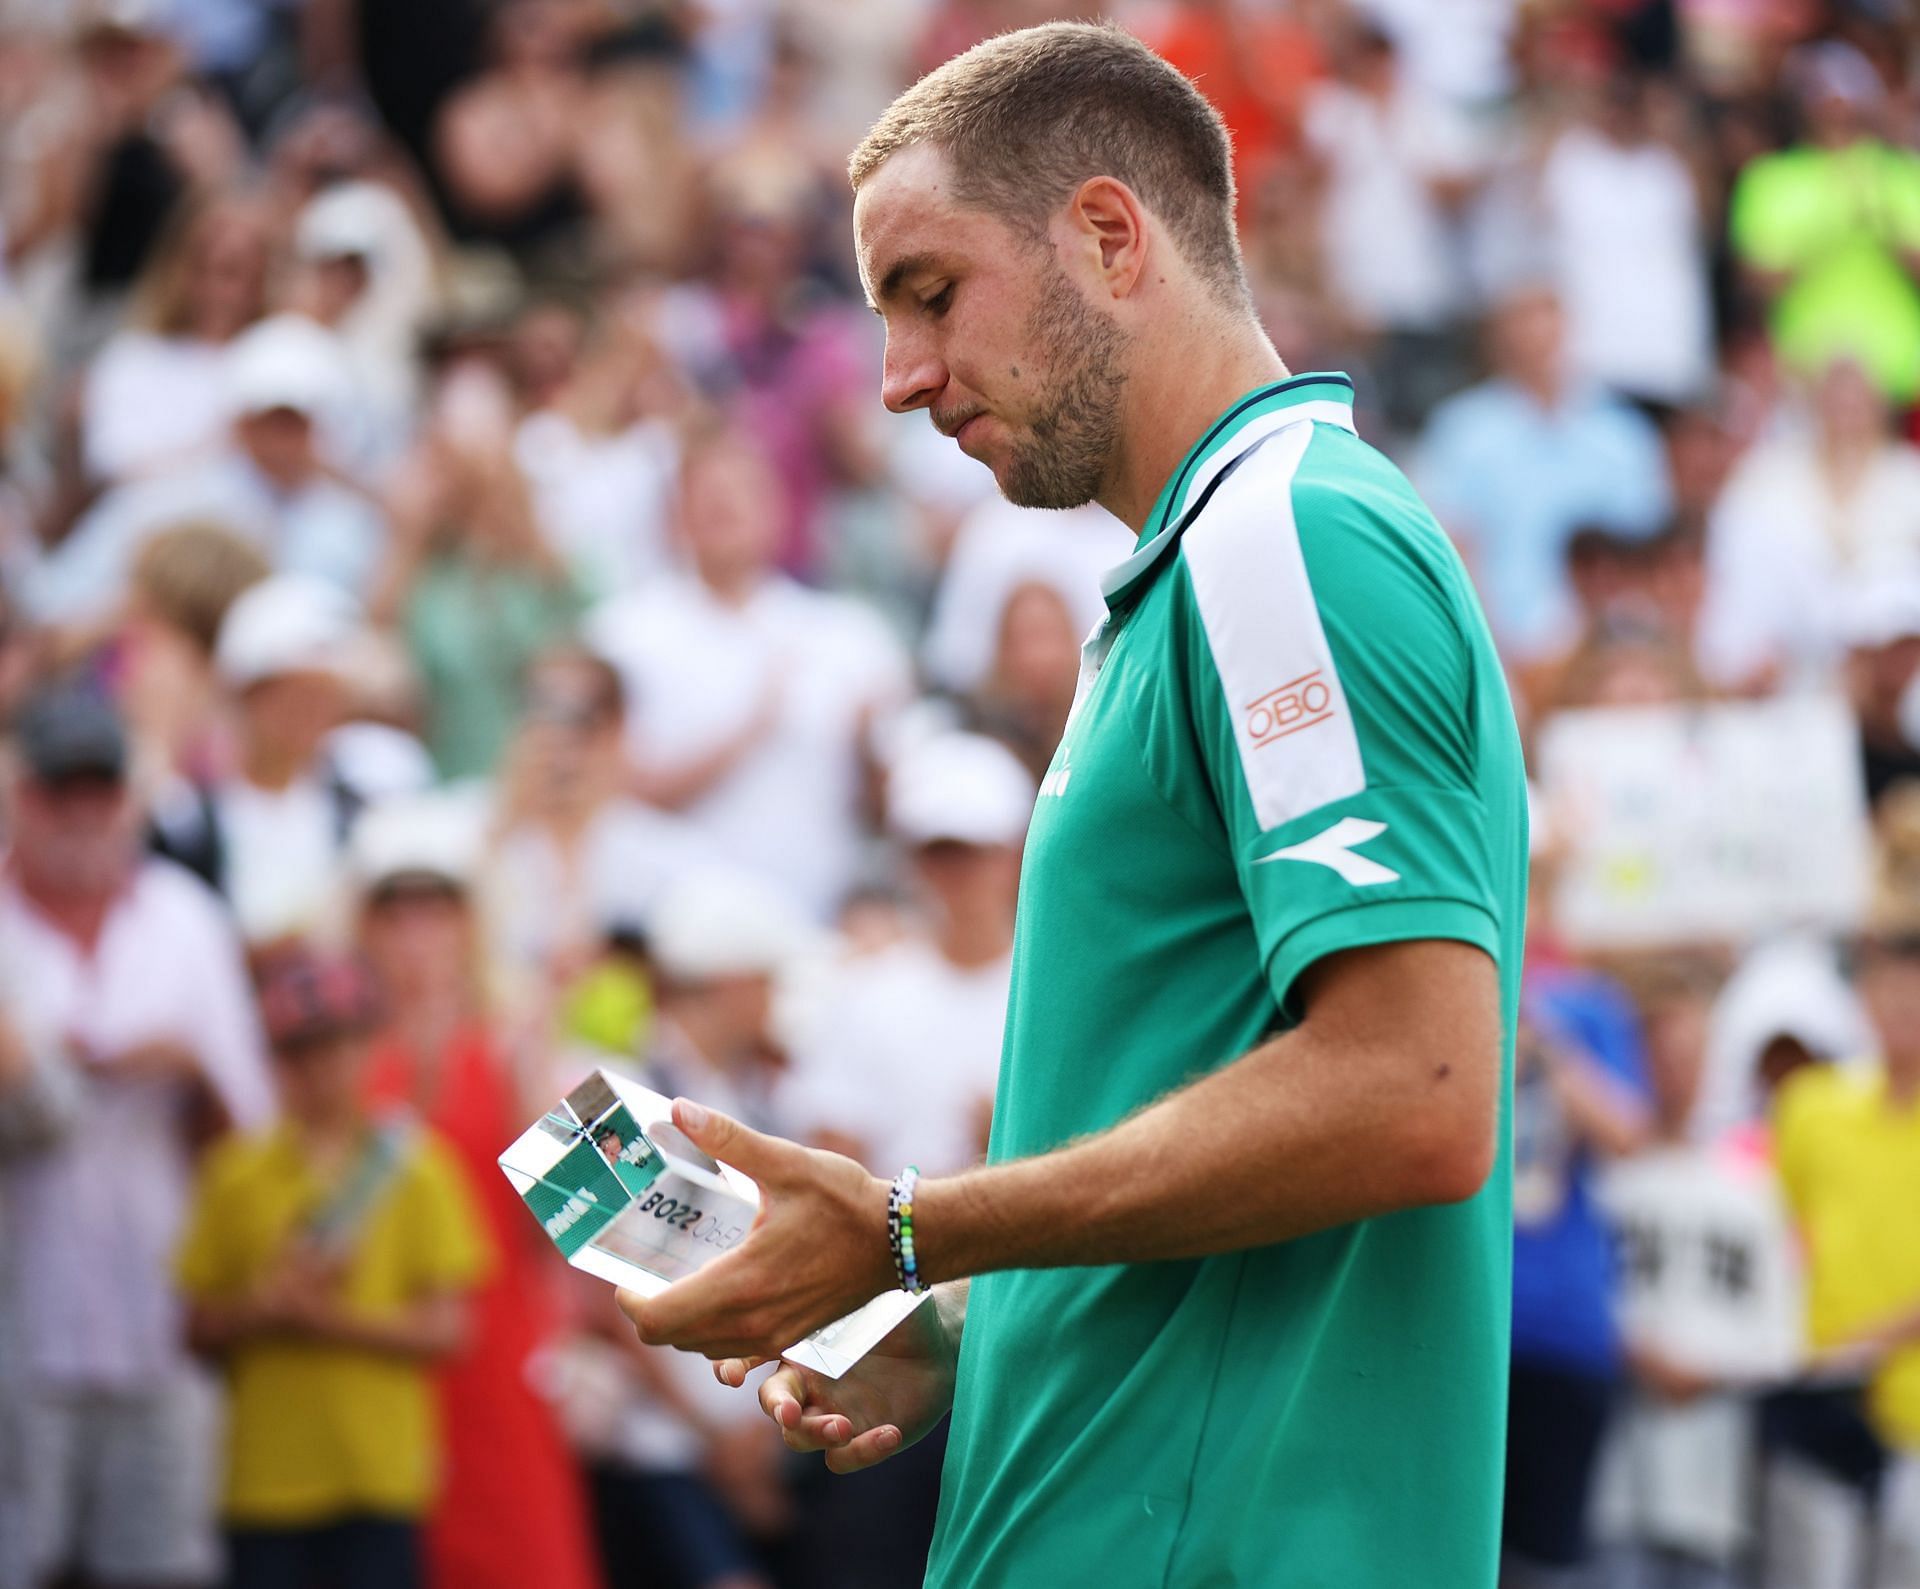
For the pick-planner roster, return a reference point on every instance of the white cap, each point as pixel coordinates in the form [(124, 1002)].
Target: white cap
[(715, 922), (288, 623), (1877, 612), (963, 787), (436, 835), (288, 361), (347, 220)]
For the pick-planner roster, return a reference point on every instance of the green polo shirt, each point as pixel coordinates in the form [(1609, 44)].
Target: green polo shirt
[(1292, 737)]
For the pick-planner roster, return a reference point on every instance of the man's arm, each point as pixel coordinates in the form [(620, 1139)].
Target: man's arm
[(1384, 1097)]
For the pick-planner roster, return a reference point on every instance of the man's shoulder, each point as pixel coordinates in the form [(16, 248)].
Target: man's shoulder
[(165, 892), (1322, 515)]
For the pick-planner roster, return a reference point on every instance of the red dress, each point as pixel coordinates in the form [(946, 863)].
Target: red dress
[(512, 1510)]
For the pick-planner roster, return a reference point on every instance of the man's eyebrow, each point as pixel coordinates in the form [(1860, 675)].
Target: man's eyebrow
[(898, 272)]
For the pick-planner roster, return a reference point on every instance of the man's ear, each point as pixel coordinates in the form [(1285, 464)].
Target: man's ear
[(1108, 225)]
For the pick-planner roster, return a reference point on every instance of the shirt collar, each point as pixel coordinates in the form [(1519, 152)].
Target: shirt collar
[(1248, 421)]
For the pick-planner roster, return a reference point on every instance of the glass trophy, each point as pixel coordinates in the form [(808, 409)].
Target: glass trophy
[(626, 1195)]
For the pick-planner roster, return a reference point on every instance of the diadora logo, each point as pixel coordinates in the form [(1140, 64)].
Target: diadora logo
[(1334, 848), (1299, 703), (1055, 782)]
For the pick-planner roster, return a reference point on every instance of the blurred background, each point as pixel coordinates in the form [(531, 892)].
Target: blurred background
[(466, 618)]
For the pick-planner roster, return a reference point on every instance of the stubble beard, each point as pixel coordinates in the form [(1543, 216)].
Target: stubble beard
[(1070, 446)]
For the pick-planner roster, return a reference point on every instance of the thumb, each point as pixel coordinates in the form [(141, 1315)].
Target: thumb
[(751, 1152)]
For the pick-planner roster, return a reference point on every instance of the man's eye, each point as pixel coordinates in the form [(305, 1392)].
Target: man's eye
[(938, 304)]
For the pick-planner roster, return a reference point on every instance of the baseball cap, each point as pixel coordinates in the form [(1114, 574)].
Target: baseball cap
[(717, 922), (287, 361), (69, 731), (350, 220), (960, 787), (433, 838), (288, 623), (306, 996)]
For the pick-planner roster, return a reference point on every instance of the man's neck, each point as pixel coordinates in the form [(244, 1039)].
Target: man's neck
[(1219, 357), (79, 916), (972, 943), (1903, 1079)]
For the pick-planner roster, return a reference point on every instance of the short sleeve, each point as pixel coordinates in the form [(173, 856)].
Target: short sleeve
[(1332, 685), (449, 1246), (208, 1262)]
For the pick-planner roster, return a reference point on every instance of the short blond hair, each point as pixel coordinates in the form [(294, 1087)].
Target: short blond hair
[(1027, 116), (189, 575)]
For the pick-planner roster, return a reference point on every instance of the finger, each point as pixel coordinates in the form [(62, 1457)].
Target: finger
[(696, 1303), (819, 1431), (783, 1397), (876, 1445), (751, 1152), (733, 1371)]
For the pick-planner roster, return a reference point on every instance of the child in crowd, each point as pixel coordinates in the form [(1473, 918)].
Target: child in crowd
[(326, 1264)]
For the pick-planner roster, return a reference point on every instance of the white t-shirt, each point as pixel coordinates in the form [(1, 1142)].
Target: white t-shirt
[(1709, 1280), (1628, 259), (1392, 254), (999, 548), (602, 500), (903, 1055), (88, 1226), (281, 856), (1781, 552), (697, 672), (150, 401)]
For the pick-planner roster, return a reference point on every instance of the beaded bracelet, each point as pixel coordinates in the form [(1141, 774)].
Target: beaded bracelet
[(900, 1229)]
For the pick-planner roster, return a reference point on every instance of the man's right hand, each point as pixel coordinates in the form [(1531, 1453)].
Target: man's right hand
[(880, 1406)]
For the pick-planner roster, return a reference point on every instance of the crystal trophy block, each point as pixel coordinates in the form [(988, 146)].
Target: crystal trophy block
[(625, 1195)]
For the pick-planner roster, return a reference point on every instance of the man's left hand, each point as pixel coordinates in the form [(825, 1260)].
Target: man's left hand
[(817, 1251)]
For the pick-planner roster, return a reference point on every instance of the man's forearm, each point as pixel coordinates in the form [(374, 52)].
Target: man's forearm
[(1331, 1123)]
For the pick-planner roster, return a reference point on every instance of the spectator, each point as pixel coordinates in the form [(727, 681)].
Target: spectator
[(366, 273), (600, 450), (271, 828), (751, 699), (1515, 465), (1803, 515), (1850, 1163), (326, 1265), (469, 580), (998, 548), (1881, 626), (690, 1485), (1829, 229), (1399, 165), (788, 365), (1629, 252), (125, 969), (511, 1510), (158, 390), (1579, 1096), (287, 387), (902, 1057), (1710, 1311), (573, 856), (182, 584)]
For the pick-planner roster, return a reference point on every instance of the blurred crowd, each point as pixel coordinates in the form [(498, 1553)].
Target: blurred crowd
[(466, 619)]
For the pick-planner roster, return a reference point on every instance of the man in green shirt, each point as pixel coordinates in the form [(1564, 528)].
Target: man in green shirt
[(1242, 1246)]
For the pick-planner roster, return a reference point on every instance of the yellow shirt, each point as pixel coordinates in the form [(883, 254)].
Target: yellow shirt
[(317, 1431), (1850, 1162)]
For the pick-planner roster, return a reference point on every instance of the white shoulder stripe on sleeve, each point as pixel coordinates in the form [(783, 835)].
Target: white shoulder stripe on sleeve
[(1298, 748)]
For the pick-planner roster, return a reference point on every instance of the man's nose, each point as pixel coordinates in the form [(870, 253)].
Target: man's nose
[(911, 376)]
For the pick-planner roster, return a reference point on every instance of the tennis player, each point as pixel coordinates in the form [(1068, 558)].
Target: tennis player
[(1239, 1260)]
